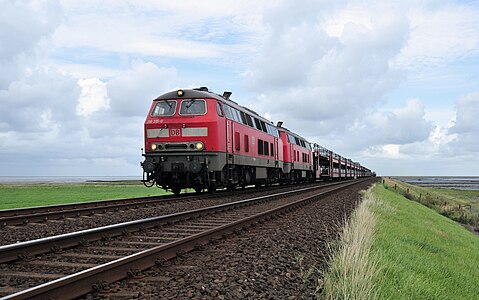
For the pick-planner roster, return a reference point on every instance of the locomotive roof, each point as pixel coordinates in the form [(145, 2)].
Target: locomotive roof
[(190, 93), (292, 133), (204, 92)]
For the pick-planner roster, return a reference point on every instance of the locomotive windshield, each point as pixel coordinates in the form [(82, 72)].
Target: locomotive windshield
[(164, 108), (193, 107)]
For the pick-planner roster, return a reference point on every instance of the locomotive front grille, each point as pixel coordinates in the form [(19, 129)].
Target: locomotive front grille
[(171, 147), (176, 146)]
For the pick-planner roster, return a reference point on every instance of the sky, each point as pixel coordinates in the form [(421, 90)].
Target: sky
[(393, 85)]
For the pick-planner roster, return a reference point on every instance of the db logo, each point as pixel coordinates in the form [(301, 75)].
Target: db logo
[(175, 132)]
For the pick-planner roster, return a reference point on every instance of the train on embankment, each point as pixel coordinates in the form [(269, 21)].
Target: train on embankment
[(198, 139)]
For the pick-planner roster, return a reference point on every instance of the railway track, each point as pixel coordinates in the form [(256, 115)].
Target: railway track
[(24, 216), (35, 230), (77, 263)]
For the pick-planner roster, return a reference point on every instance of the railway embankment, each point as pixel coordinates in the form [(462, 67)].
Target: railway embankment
[(459, 205), (411, 252)]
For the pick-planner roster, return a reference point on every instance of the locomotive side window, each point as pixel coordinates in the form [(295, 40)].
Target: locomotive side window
[(246, 143), (260, 146), (292, 139), (270, 129), (228, 112), (236, 115), (263, 126), (164, 108), (266, 148), (218, 109), (237, 141), (257, 123), (243, 118), (248, 120), (273, 130), (193, 107), (272, 150)]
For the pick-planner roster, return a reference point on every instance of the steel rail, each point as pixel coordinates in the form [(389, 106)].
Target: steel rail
[(80, 283), (21, 216), (73, 211), (55, 243)]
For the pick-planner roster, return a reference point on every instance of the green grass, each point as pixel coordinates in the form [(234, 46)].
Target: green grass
[(422, 254), (459, 205), (352, 267), (17, 196)]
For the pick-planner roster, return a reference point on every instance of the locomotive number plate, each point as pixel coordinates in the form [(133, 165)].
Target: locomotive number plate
[(175, 132)]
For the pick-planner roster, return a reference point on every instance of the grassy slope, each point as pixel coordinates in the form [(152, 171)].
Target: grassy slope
[(459, 205), (16, 196), (422, 254)]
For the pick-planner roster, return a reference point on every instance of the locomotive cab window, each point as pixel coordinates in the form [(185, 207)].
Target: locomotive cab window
[(164, 108), (193, 107)]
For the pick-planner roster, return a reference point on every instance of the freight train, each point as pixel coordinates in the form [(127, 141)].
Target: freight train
[(198, 139)]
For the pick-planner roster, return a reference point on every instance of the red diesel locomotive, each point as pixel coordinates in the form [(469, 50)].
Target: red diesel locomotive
[(198, 139)]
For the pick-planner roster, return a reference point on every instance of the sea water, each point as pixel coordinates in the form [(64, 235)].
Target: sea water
[(453, 182)]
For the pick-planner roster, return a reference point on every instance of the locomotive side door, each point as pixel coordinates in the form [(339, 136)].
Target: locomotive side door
[(229, 136), (229, 140), (276, 149)]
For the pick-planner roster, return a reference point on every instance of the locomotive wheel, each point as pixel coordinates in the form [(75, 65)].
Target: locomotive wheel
[(176, 191), (198, 190)]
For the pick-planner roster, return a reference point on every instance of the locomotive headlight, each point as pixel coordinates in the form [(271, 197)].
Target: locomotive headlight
[(199, 146), (180, 93), (154, 147)]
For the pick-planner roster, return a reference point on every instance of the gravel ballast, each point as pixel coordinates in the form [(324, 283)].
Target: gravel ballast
[(279, 259)]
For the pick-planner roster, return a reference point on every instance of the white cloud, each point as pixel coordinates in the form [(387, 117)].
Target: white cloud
[(187, 29), (404, 125), (334, 80), (465, 127), (23, 26), (132, 91), (440, 34), (93, 97), (467, 115), (24, 102), (388, 151)]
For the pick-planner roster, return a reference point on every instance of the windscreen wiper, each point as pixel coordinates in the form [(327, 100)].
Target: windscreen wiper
[(169, 104), (191, 103)]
